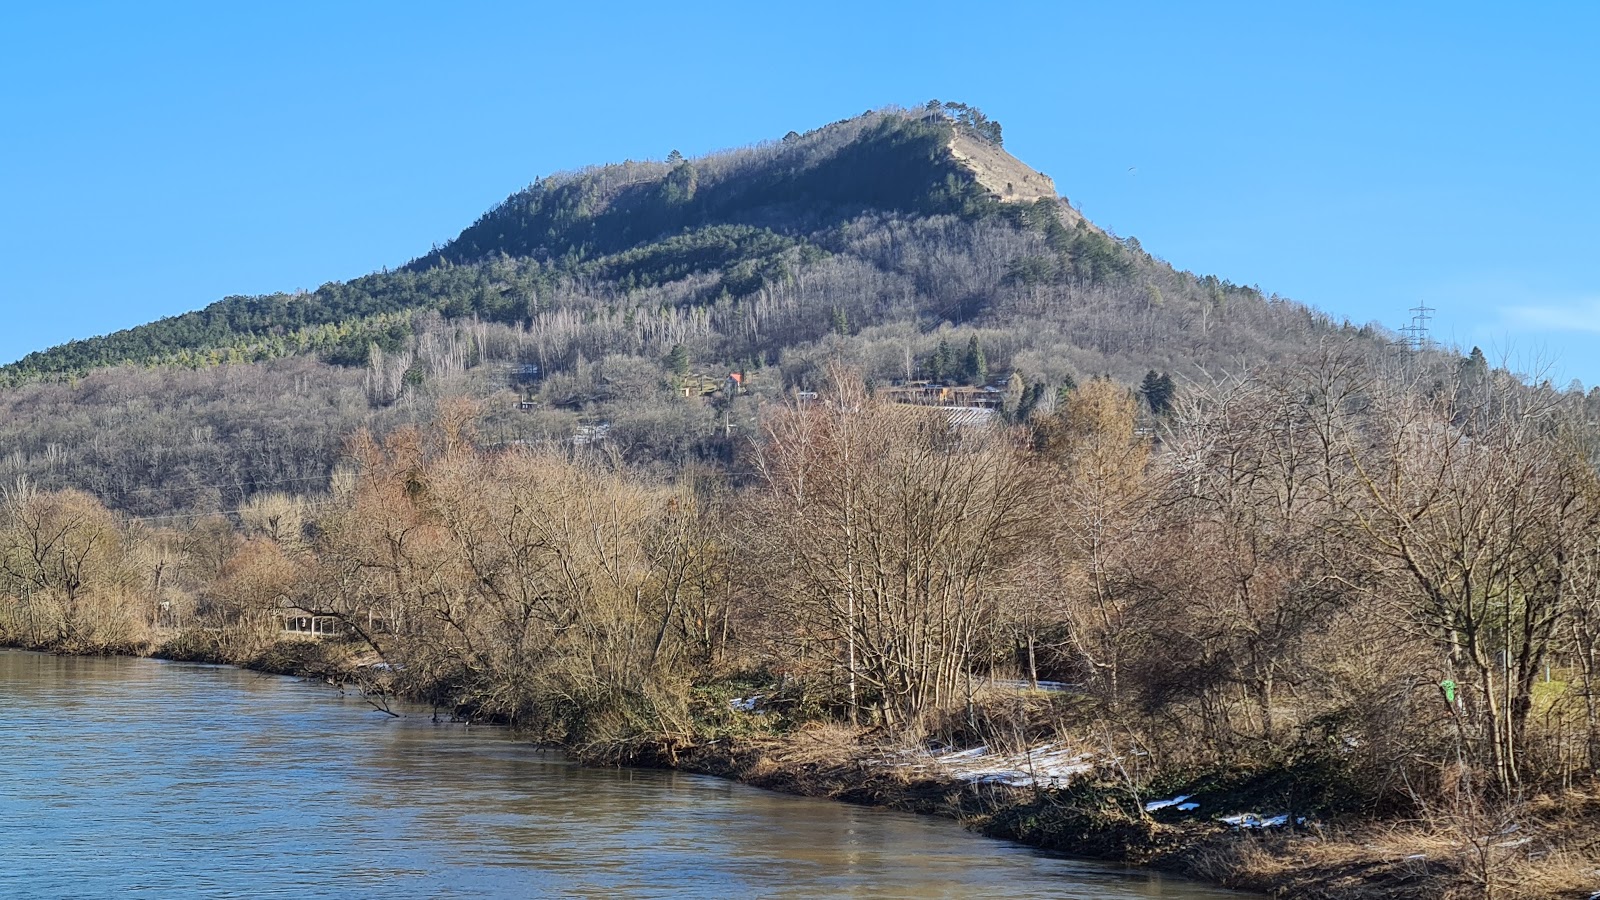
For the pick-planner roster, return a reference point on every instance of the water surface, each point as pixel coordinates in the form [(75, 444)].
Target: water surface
[(142, 778)]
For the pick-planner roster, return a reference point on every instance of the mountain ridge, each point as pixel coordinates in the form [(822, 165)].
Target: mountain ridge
[(599, 301), (922, 162)]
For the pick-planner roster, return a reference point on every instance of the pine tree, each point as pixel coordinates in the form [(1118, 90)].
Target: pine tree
[(1030, 401), (678, 360), (941, 364), (680, 184), (1472, 385), (1475, 369), (975, 368), (1158, 391)]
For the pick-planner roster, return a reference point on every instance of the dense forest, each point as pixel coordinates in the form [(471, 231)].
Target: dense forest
[(628, 453)]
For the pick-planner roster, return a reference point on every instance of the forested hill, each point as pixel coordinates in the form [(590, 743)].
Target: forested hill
[(748, 217), (600, 305)]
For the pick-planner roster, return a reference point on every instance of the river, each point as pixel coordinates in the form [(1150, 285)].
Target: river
[(141, 778)]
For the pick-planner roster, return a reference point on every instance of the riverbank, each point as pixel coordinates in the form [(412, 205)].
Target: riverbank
[(1542, 850)]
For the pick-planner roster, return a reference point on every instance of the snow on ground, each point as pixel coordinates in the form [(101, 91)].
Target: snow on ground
[(1257, 820), (1047, 765), (1177, 801), (1182, 802), (1022, 684)]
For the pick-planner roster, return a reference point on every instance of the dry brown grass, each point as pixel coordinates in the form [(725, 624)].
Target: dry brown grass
[(1543, 856), (819, 744), (1559, 874), (1388, 863)]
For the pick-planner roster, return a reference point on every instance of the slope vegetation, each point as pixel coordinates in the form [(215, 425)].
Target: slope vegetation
[(590, 299)]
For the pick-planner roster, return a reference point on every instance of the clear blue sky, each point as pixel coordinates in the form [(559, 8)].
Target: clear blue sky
[(1360, 157)]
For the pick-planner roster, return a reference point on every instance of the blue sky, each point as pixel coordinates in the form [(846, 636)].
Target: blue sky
[(1360, 157)]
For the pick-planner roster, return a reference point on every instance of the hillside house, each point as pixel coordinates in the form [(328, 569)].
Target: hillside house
[(933, 393)]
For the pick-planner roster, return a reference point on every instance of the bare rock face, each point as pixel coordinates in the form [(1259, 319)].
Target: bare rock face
[(1008, 178)]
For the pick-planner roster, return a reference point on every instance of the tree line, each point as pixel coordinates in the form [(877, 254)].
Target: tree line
[(1318, 565)]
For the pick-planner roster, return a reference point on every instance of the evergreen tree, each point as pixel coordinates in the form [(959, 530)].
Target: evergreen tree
[(1158, 391), (1474, 369), (941, 364), (974, 367), (678, 360), (1030, 401), (1472, 385), (1150, 387), (1169, 391), (680, 184)]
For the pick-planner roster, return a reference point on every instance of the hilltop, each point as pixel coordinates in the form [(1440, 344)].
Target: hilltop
[(723, 226), (744, 214)]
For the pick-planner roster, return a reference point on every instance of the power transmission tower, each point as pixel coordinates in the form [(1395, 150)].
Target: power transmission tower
[(1420, 314), (1415, 335)]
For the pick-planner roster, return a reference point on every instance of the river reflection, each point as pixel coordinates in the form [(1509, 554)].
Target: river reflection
[(141, 778)]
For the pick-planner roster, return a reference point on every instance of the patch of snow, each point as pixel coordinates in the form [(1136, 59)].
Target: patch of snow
[(745, 704), (1154, 805), (1188, 807), (1048, 765), (1257, 820), (1022, 684)]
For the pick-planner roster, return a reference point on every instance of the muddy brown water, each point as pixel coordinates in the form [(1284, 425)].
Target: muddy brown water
[(141, 778)]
